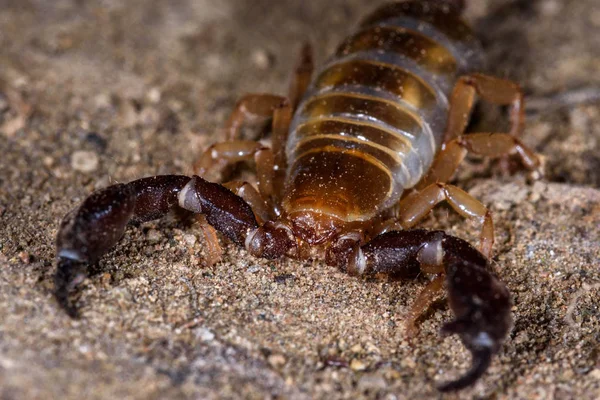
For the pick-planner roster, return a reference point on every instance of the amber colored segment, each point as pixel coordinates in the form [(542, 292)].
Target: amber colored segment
[(414, 45), (354, 129), (249, 107), (217, 157), (422, 303), (251, 196), (489, 88), (445, 164), (438, 13), (333, 104), (214, 251), (342, 183), (379, 76), (314, 143), (302, 75)]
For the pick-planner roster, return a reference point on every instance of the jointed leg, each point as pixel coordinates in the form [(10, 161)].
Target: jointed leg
[(271, 165), (302, 75), (254, 199), (249, 108), (221, 155), (495, 90), (493, 145), (416, 206), (422, 303), (457, 145), (214, 251), (262, 105)]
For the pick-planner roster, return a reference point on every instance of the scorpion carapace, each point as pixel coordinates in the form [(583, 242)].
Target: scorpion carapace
[(387, 113)]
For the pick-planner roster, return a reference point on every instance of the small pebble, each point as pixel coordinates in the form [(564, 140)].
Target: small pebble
[(154, 95), (48, 161), (408, 363), (189, 239), (103, 100), (595, 373), (357, 348), (24, 257), (253, 268), (153, 236), (276, 360), (357, 365), (371, 382), (205, 335), (84, 161), (261, 58)]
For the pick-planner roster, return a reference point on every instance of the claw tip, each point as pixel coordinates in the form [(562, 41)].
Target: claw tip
[(481, 361)]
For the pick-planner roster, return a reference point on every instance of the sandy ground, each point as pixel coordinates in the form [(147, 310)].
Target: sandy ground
[(99, 92)]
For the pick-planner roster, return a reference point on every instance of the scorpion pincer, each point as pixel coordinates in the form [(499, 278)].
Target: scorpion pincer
[(360, 153)]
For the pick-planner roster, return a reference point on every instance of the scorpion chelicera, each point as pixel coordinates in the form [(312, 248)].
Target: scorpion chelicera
[(358, 156)]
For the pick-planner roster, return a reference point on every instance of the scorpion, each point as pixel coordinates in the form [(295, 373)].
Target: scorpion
[(359, 155)]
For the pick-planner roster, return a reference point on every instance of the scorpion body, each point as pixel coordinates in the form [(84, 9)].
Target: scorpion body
[(371, 122), (387, 113)]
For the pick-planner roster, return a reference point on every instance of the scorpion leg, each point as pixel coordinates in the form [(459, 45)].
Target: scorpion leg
[(477, 297), (416, 206), (456, 144), (220, 155), (251, 196), (251, 107), (270, 164), (214, 250), (490, 88), (302, 75), (263, 105)]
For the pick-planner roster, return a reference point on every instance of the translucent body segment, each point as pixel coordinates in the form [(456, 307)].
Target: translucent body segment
[(346, 184), (354, 129), (409, 43), (393, 79), (440, 14), (360, 106), (314, 143)]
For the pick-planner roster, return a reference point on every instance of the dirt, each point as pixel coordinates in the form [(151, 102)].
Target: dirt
[(93, 93)]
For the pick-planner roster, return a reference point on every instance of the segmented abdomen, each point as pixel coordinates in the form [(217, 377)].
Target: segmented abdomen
[(374, 115)]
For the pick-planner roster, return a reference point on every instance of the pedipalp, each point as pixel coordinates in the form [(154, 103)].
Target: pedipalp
[(479, 300)]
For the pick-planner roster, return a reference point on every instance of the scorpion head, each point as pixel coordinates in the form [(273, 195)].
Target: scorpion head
[(314, 227)]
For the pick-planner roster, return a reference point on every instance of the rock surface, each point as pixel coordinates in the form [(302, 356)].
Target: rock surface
[(144, 86)]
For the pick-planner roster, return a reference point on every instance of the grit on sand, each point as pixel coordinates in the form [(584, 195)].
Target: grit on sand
[(93, 93)]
